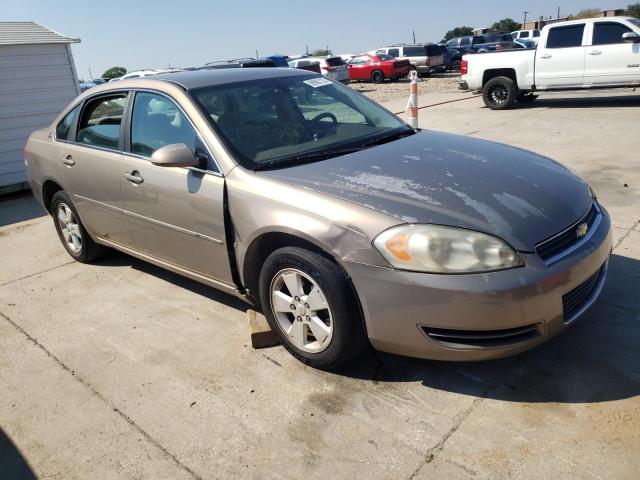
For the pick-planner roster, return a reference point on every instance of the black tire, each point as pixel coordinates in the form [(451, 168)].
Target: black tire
[(526, 98), (88, 250), (377, 76), (500, 93), (348, 336)]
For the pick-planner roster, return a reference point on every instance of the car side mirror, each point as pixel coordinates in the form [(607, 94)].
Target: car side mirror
[(631, 37), (174, 155)]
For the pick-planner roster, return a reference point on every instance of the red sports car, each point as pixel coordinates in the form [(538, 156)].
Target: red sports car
[(377, 67)]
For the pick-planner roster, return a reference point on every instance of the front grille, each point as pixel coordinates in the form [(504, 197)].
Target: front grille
[(482, 338), (555, 246), (577, 298)]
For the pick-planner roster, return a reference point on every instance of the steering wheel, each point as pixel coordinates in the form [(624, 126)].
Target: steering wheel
[(325, 115)]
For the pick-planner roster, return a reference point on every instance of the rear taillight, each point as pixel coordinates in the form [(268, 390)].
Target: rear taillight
[(464, 67)]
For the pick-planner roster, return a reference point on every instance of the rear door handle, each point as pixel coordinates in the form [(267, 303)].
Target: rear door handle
[(134, 177), (595, 52), (546, 56), (68, 160)]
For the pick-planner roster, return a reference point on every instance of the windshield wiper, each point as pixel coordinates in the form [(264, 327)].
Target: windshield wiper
[(388, 138), (306, 158)]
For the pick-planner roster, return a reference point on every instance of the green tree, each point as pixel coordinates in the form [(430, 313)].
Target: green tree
[(588, 13), (321, 52), (114, 72), (506, 25), (457, 32), (633, 10)]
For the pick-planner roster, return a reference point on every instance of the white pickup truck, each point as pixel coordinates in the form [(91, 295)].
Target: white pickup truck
[(575, 55)]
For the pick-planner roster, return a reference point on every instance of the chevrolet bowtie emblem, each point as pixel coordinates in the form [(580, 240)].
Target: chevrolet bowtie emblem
[(582, 230)]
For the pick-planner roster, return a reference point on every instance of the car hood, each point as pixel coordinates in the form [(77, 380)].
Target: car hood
[(453, 180)]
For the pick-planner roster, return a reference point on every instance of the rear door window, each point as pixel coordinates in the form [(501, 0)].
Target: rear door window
[(415, 52), (100, 122), (394, 52), (524, 34), (608, 33), (565, 37), (64, 127), (536, 33)]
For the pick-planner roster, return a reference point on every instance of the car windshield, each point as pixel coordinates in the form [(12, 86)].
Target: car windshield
[(294, 119)]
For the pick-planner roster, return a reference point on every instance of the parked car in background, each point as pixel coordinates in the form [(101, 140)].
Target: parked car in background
[(424, 58), (482, 43), (311, 65), (240, 63), (377, 68), (453, 57), (284, 189), (99, 81), (334, 68), (580, 54), (281, 61), (86, 86), (530, 35)]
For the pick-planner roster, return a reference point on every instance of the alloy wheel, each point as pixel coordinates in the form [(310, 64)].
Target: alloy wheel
[(69, 228), (301, 310)]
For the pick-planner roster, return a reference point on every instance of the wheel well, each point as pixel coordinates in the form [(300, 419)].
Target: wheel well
[(499, 72), (49, 189), (268, 243), (264, 246)]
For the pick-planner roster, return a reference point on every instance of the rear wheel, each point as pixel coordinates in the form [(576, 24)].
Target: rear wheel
[(73, 235), (500, 93), (377, 76), (309, 304)]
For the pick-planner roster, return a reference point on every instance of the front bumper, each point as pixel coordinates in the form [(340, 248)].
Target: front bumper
[(418, 314)]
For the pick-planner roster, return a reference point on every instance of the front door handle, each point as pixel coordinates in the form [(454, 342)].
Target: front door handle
[(134, 177), (545, 56), (595, 52), (68, 160)]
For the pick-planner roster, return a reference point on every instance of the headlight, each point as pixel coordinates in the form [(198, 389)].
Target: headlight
[(438, 249)]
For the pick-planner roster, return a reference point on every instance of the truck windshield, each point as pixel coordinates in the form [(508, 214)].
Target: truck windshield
[(278, 120)]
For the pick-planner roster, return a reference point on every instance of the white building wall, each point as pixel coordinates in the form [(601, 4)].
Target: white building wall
[(36, 83)]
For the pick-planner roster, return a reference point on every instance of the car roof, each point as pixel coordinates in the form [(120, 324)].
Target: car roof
[(587, 20), (206, 77)]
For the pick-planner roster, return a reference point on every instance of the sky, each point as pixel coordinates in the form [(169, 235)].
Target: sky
[(139, 34)]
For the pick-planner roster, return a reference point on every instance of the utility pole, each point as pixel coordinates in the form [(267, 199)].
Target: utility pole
[(257, 56), (558, 13), (90, 74), (307, 49), (525, 19), (414, 37)]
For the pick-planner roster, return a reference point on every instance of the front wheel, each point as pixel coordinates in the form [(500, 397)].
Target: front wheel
[(309, 304), (377, 76), (500, 93)]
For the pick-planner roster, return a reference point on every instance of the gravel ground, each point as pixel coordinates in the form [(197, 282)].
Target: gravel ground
[(383, 92)]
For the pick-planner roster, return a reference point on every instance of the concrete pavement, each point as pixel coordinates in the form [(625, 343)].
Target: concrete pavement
[(122, 370)]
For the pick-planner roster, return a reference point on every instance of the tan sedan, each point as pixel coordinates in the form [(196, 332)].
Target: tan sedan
[(343, 224)]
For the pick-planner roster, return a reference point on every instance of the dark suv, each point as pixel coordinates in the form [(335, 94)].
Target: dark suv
[(482, 43)]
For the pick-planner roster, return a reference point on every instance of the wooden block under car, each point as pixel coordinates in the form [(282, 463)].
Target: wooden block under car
[(261, 334)]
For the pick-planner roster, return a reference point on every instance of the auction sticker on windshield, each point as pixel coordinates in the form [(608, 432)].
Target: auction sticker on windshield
[(318, 82)]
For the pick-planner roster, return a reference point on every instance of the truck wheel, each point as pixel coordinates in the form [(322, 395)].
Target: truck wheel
[(526, 98), (500, 93), (377, 76)]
